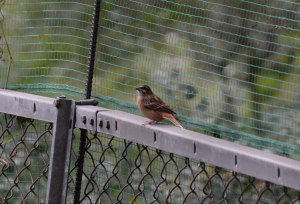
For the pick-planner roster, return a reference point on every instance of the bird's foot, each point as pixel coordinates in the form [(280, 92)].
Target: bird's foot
[(151, 122)]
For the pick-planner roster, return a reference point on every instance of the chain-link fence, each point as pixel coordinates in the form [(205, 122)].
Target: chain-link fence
[(120, 171), (24, 159)]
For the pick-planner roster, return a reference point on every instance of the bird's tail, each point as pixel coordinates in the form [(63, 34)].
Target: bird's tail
[(171, 118)]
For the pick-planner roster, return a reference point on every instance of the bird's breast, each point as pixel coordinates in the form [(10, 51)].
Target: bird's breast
[(153, 115)]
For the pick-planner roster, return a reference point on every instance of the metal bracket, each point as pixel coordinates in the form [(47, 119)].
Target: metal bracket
[(87, 102)]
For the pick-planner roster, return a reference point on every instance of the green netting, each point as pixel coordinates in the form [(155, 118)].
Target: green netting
[(228, 68), (49, 44)]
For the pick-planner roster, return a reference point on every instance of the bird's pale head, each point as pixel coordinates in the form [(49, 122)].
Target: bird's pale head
[(143, 90)]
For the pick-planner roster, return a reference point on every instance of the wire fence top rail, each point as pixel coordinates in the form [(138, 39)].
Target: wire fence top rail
[(28, 105), (186, 143)]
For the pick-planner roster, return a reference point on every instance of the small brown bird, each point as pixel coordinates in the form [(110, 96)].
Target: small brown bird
[(153, 107)]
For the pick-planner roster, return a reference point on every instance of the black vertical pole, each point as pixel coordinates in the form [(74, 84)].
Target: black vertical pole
[(88, 91), (93, 42)]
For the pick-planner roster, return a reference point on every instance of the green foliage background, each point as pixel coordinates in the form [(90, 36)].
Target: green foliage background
[(230, 69)]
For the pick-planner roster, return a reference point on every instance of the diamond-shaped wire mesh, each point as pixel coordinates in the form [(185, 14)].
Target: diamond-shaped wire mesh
[(73, 166), (25, 149), (25, 146), (120, 171)]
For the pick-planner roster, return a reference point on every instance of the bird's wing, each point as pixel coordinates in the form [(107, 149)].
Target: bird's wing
[(153, 102)]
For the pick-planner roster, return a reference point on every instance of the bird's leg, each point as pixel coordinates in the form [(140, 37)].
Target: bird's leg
[(151, 122)]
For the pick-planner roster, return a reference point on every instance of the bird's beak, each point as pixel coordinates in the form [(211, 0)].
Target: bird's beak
[(137, 88)]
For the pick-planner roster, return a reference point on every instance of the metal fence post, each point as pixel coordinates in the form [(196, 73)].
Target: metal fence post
[(61, 151), (88, 91)]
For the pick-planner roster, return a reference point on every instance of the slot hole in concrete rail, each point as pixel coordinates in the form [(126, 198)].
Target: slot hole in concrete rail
[(278, 172), (34, 107), (154, 136), (116, 125), (194, 148), (107, 124), (235, 160)]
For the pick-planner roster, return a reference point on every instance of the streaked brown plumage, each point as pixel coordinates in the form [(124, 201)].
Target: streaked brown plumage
[(153, 107)]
